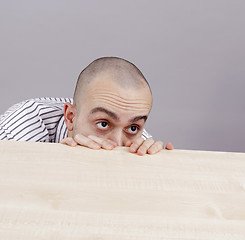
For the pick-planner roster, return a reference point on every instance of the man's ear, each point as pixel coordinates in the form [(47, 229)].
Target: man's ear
[(69, 114)]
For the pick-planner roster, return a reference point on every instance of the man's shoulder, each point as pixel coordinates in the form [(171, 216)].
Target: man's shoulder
[(35, 104), (33, 119), (52, 101)]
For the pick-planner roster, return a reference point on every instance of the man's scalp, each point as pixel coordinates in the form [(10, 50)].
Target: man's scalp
[(123, 72)]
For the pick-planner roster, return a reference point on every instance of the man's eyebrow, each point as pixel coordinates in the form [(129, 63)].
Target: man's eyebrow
[(108, 112), (135, 119)]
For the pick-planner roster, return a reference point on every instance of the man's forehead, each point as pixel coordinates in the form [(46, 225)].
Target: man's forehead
[(116, 116), (119, 103), (107, 85), (105, 92)]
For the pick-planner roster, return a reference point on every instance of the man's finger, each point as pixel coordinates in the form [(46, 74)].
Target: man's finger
[(86, 142), (136, 144), (105, 143), (145, 146), (128, 143), (69, 141), (156, 147), (169, 146)]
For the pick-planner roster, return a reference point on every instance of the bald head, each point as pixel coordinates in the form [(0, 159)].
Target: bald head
[(118, 70)]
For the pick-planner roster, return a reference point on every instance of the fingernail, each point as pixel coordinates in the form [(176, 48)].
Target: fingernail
[(151, 150), (140, 152)]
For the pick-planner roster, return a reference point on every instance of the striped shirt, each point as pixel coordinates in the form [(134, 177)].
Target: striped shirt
[(37, 120)]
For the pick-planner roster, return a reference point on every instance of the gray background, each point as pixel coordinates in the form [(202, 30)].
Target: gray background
[(192, 53)]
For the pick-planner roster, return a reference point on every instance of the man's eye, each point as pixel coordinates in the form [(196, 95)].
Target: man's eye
[(102, 125), (133, 129)]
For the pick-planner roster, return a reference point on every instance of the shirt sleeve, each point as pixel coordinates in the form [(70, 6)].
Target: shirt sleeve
[(5, 133), (145, 134), (22, 122)]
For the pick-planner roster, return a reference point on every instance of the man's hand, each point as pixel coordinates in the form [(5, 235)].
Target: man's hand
[(92, 142), (139, 146)]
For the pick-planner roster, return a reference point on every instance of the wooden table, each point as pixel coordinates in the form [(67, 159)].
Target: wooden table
[(52, 191)]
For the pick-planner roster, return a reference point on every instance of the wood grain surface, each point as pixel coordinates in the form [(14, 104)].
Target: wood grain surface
[(52, 191)]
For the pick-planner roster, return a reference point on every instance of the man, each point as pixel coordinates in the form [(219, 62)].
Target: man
[(111, 104)]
